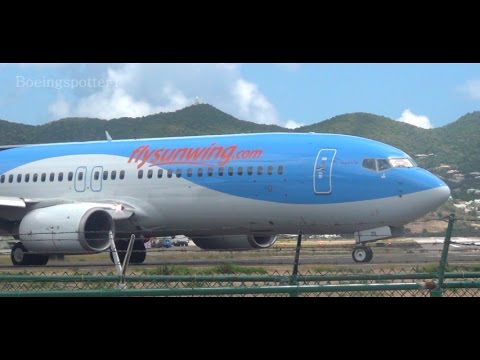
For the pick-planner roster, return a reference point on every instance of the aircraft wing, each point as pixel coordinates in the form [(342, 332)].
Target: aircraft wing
[(12, 201), (119, 210)]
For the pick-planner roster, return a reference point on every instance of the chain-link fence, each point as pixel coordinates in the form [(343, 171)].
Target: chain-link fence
[(400, 282), (231, 280)]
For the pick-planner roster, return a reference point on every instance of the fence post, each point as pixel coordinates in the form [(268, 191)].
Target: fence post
[(438, 291), (294, 278)]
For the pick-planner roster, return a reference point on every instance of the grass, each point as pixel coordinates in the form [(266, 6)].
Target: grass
[(222, 269), (338, 269), (169, 270), (433, 268), (229, 268)]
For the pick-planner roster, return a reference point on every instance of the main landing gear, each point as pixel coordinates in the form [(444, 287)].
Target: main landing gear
[(139, 253), (362, 254), (20, 256)]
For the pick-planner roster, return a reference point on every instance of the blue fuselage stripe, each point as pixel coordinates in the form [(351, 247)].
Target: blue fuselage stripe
[(295, 153)]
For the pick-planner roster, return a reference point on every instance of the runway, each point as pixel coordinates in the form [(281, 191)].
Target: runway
[(409, 251)]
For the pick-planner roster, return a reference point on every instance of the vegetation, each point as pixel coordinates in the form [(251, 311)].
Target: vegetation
[(229, 268), (463, 138), (222, 269), (169, 270), (433, 268), (407, 137), (193, 120)]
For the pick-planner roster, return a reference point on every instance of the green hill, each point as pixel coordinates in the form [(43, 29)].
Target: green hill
[(193, 120), (13, 133), (407, 137), (463, 139)]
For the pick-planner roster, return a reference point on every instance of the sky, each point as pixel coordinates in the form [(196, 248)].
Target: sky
[(291, 95)]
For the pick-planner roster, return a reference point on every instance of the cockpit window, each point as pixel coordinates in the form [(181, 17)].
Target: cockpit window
[(385, 164), (369, 164), (405, 163)]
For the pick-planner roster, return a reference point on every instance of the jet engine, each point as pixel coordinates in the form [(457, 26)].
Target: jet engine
[(234, 242), (67, 228)]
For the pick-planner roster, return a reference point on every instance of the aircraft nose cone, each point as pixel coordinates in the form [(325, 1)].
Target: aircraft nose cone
[(440, 195), (437, 191)]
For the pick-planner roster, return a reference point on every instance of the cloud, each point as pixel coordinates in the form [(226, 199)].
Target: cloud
[(135, 90), (471, 88), (252, 104), (60, 108), (292, 124), (416, 120)]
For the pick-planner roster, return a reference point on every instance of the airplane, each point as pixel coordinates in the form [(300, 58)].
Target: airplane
[(222, 191)]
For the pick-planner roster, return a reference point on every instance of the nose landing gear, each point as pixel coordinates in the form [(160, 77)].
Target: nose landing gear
[(362, 254)]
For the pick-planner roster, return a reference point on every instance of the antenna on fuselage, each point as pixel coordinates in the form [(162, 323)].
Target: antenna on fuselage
[(109, 138)]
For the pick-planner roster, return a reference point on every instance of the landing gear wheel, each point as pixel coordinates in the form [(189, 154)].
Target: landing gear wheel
[(121, 246), (19, 255), (362, 254), (369, 254), (139, 253), (38, 259)]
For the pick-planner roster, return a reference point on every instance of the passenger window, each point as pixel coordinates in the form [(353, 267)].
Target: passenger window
[(10, 178), (122, 174), (113, 175), (79, 177), (44, 177), (260, 170), (160, 173), (250, 170), (200, 172), (60, 176), (27, 178), (383, 164), (369, 164), (96, 176), (179, 173), (2, 179), (220, 171), (280, 170), (52, 176), (169, 173), (35, 177), (140, 174), (189, 172), (240, 170), (19, 178), (210, 171), (70, 176), (230, 171), (150, 174), (105, 175), (270, 170)]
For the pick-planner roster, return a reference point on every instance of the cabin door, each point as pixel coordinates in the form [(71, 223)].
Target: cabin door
[(80, 179), (322, 173)]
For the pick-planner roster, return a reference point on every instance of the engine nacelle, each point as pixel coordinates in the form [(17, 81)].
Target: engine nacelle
[(67, 228), (234, 242)]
